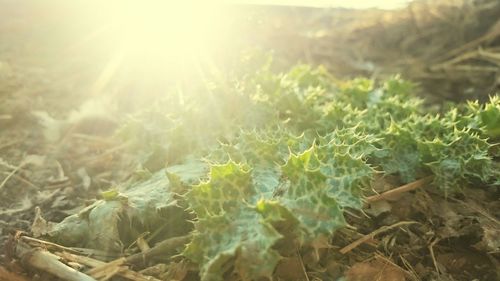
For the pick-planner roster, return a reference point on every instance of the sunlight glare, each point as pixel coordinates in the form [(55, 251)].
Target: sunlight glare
[(152, 43), (167, 29)]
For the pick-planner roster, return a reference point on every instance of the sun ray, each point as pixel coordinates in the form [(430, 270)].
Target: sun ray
[(107, 74)]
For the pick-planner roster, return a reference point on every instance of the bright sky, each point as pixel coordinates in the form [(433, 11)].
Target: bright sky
[(160, 38), (359, 4)]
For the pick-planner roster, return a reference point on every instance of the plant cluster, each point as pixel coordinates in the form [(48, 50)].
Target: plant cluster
[(288, 153)]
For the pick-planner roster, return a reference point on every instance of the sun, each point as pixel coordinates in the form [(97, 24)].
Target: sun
[(167, 29), (155, 40)]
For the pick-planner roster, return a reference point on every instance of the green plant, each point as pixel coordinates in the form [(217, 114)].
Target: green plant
[(288, 153)]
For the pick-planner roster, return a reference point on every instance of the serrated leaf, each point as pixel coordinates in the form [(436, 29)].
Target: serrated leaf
[(228, 186), (240, 241), (307, 195), (229, 232)]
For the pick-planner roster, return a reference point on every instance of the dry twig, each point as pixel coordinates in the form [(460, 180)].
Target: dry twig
[(160, 248), (43, 260), (404, 188), (369, 236)]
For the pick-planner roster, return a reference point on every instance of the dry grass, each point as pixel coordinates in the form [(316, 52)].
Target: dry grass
[(450, 47)]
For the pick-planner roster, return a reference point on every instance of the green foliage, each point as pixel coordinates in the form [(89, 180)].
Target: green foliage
[(243, 213), (487, 116), (159, 138), (307, 194), (490, 117), (229, 230), (456, 157), (136, 207), (288, 153)]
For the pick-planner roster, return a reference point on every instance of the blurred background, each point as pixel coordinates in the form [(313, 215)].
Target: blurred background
[(73, 50)]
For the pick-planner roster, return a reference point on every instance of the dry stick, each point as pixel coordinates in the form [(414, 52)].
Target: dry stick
[(492, 33), (19, 178), (46, 244), (11, 174), (404, 188), (33, 242), (378, 255), (45, 261), (302, 265), (115, 269), (367, 237), (455, 60), (123, 272), (15, 169), (431, 250), (105, 268), (158, 249), (474, 68), (410, 268), (491, 56)]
